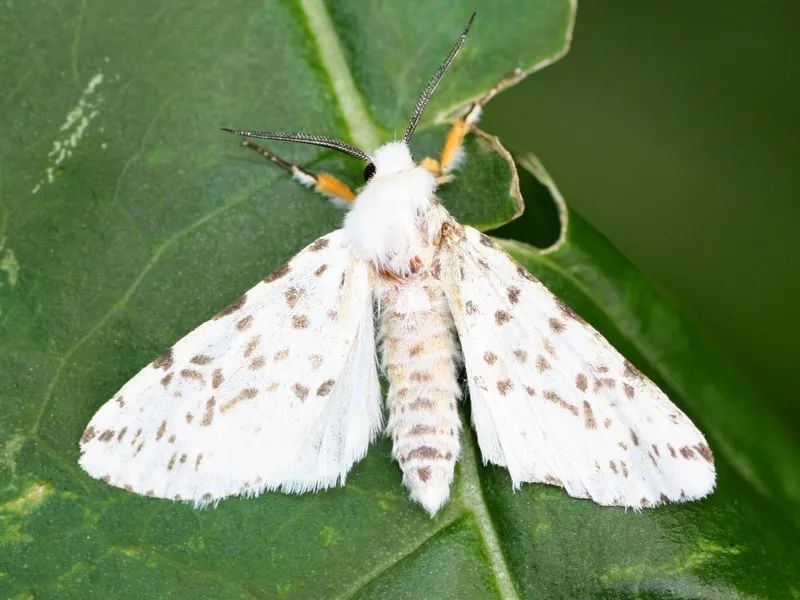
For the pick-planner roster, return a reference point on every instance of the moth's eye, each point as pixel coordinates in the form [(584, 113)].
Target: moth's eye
[(369, 171)]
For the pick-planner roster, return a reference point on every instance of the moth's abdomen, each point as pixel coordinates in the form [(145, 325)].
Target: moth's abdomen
[(419, 355)]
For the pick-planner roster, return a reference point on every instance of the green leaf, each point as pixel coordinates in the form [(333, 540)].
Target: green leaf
[(735, 543), (127, 219)]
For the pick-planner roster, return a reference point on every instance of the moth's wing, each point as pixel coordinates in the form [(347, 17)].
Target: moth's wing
[(552, 400), (279, 390)]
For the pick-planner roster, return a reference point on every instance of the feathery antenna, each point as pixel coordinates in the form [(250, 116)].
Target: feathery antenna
[(303, 138), (426, 94)]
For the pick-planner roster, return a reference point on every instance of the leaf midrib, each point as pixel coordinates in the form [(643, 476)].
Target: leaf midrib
[(364, 132)]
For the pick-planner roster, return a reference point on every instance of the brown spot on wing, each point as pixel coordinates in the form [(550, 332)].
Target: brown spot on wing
[(246, 394), (325, 388), (300, 391), (513, 294), (686, 452), (602, 382), (201, 359), (321, 269), (251, 345), (88, 434), (424, 474), (281, 354), (672, 451), (541, 364), (162, 428), (556, 325), (208, 415), (470, 308), (277, 273), (553, 397), (292, 296), (588, 416), (164, 361), (501, 317), (319, 244), (106, 435), (300, 321), (232, 307), (217, 379), (166, 379), (504, 386), (121, 434), (521, 355), (245, 323), (634, 438), (490, 357), (191, 374), (257, 363), (581, 382), (629, 391), (705, 452)]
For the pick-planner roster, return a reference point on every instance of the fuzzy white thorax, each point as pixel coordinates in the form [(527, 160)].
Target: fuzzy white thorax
[(390, 215)]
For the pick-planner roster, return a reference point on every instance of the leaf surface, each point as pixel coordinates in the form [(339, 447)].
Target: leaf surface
[(127, 219)]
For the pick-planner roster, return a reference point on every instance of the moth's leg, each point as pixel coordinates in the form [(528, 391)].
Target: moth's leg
[(453, 149), (324, 183)]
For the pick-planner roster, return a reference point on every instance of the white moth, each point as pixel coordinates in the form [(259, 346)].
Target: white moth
[(280, 390)]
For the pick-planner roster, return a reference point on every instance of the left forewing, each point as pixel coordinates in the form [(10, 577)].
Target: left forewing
[(279, 390), (552, 400)]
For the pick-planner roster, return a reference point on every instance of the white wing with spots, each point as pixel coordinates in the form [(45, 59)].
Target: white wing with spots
[(278, 391), (552, 400)]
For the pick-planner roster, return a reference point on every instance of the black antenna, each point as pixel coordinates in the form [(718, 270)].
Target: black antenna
[(303, 138), (426, 94)]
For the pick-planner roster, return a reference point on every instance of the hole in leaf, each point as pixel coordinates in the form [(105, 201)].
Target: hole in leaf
[(539, 225)]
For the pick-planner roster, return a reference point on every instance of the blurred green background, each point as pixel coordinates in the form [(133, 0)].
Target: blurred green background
[(673, 128)]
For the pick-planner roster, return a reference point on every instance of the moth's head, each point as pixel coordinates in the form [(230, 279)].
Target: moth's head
[(392, 157)]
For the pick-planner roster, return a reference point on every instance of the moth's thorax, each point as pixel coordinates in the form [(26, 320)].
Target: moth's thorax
[(396, 215)]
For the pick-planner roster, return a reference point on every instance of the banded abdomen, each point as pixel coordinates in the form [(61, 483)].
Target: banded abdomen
[(419, 356)]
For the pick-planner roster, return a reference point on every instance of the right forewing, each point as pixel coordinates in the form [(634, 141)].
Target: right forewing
[(552, 400), (279, 390)]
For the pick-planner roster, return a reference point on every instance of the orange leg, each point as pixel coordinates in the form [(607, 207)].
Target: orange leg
[(454, 143), (324, 183)]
